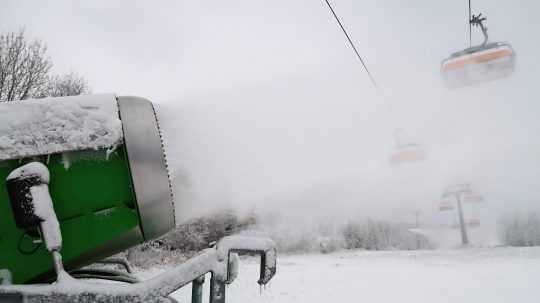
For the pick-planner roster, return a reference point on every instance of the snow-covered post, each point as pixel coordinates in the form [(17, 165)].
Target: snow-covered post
[(197, 290), (266, 248), (217, 290)]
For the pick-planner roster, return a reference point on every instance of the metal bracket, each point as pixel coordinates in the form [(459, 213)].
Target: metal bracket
[(478, 20), (219, 261)]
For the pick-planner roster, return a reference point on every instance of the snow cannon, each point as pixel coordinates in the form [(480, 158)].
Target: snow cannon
[(86, 178), (109, 184)]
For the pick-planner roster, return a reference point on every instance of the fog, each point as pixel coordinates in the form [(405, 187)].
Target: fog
[(264, 106)]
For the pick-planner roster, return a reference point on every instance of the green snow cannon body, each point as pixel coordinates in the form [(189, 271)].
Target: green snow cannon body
[(109, 181)]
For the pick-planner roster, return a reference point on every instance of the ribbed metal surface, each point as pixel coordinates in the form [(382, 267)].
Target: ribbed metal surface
[(148, 166)]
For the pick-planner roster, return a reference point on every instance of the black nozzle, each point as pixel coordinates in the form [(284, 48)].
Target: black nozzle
[(22, 201)]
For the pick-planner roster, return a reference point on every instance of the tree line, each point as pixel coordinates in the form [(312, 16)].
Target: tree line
[(520, 229), (197, 234)]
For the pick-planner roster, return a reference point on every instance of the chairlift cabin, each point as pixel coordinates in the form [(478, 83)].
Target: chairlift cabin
[(480, 63), (446, 205), (411, 152), (465, 192), (457, 189), (406, 151), (472, 198)]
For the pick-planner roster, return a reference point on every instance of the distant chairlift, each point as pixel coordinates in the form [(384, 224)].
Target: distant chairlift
[(480, 63), (472, 198), (406, 151), (453, 197), (472, 223), (466, 192), (446, 205)]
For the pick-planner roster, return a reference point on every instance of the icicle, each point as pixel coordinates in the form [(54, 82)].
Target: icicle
[(65, 161), (109, 151), (5, 277)]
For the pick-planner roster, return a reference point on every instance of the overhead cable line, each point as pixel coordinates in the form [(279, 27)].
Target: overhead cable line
[(351, 43), (470, 25)]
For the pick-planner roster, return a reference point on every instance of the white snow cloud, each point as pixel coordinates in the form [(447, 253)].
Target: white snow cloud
[(266, 105)]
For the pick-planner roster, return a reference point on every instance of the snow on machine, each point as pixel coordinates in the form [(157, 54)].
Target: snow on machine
[(480, 63), (86, 178)]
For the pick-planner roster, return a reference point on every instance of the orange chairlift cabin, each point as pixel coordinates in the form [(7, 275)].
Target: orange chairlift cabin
[(446, 205), (480, 63), (406, 151), (472, 197)]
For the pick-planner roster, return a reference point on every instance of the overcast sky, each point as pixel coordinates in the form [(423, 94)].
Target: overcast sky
[(264, 103)]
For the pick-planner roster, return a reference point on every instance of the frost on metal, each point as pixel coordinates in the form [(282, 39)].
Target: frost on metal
[(41, 202), (221, 261), (34, 169), (263, 246), (5, 277), (53, 125), (50, 228)]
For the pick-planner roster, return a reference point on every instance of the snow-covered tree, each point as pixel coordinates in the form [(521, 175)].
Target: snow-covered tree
[(520, 229), (25, 71), (24, 67), (69, 84)]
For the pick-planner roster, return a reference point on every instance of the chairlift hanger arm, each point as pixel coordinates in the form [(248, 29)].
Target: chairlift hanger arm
[(478, 20)]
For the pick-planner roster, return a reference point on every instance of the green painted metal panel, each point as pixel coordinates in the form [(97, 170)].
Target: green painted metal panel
[(94, 199)]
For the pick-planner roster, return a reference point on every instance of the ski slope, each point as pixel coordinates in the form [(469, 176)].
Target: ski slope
[(464, 275)]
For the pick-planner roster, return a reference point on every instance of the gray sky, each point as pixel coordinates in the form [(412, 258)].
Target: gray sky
[(266, 104)]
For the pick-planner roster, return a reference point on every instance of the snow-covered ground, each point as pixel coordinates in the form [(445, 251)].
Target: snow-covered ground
[(463, 275)]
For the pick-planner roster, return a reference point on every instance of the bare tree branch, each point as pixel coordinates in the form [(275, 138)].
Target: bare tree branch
[(69, 84), (24, 71)]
